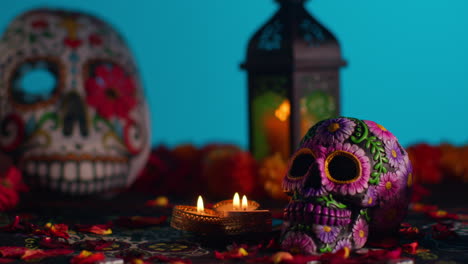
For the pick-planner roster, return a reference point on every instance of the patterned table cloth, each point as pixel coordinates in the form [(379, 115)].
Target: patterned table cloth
[(162, 240)]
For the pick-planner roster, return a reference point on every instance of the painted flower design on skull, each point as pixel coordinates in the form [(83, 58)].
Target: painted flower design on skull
[(344, 243), (394, 154), (370, 199), (360, 233), (389, 185), (86, 129), (349, 181), (299, 243), (344, 167), (111, 91), (380, 131), (327, 234), (335, 130)]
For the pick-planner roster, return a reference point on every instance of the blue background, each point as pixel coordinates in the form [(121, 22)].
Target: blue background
[(407, 62)]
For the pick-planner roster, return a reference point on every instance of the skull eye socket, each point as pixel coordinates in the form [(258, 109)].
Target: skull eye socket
[(342, 167), (35, 82), (301, 163)]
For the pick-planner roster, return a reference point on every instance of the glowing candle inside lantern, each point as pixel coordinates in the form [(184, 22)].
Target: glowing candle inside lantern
[(236, 202), (245, 204), (200, 207), (277, 129), (283, 111)]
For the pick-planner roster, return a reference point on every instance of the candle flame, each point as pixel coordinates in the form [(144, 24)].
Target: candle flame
[(283, 111), (244, 203), (200, 207), (236, 202)]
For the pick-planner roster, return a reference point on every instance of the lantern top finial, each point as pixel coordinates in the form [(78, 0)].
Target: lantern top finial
[(292, 38)]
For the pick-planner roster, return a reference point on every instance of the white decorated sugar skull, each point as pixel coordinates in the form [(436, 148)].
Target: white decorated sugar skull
[(349, 181), (88, 131)]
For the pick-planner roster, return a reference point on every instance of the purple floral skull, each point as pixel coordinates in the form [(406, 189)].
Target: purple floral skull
[(87, 132), (349, 181)]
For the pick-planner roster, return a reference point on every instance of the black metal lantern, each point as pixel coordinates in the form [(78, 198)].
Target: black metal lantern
[(293, 77)]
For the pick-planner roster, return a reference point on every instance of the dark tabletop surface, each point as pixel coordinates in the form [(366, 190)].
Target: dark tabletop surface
[(164, 240)]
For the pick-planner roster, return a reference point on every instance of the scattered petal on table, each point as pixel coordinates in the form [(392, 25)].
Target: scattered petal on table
[(160, 201), (95, 229), (12, 251), (87, 257), (38, 254), (50, 242)]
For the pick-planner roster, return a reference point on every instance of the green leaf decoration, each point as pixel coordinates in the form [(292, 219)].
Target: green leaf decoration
[(365, 213), (329, 200), (376, 156), (363, 132), (48, 116), (326, 249), (374, 145)]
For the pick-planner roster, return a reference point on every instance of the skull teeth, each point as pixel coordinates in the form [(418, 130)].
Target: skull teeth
[(75, 177), (308, 213)]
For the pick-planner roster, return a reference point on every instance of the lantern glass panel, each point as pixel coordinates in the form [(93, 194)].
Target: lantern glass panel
[(318, 97), (270, 115)]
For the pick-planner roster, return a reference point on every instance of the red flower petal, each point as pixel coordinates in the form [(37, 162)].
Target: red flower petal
[(161, 201), (52, 230), (443, 231), (49, 242), (441, 214), (93, 87), (12, 251), (128, 86), (39, 24), (237, 252), (59, 230), (86, 257), (38, 254), (105, 73), (95, 229), (14, 226), (72, 43), (410, 248), (121, 101), (425, 208), (95, 39)]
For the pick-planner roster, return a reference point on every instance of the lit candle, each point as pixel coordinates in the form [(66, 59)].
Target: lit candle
[(245, 203), (196, 218), (200, 207), (243, 217), (277, 129), (236, 202)]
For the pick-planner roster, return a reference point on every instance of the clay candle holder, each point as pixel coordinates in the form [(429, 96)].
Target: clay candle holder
[(229, 217), (196, 219), (242, 218)]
